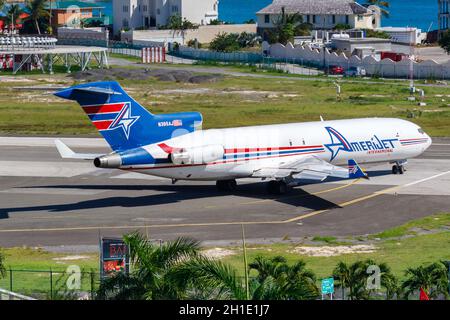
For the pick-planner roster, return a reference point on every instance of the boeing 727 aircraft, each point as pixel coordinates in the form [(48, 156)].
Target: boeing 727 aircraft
[(175, 147)]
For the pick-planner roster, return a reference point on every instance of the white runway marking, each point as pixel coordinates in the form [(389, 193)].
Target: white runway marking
[(426, 179), (44, 169)]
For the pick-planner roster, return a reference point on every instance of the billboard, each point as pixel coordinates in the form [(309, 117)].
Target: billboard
[(114, 257)]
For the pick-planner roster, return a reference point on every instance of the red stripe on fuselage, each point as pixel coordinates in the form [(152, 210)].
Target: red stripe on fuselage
[(251, 150), (102, 125), (340, 138), (116, 107), (414, 139)]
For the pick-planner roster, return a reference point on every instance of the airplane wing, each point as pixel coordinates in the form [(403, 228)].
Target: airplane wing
[(311, 168), (67, 153)]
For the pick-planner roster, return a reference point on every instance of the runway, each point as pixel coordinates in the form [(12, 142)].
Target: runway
[(47, 201)]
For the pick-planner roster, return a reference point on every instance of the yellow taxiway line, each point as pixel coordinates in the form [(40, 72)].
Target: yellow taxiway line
[(212, 224)]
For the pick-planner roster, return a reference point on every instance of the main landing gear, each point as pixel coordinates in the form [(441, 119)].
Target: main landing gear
[(277, 187), (226, 185), (398, 168)]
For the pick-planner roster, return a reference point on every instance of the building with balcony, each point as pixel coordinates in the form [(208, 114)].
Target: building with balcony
[(321, 14), (150, 14)]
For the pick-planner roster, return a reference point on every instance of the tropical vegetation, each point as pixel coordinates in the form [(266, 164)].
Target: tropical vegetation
[(353, 278), (38, 13), (431, 278), (154, 270), (229, 42), (287, 26), (37, 19), (444, 41), (376, 34), (179, 270), (382, 4)]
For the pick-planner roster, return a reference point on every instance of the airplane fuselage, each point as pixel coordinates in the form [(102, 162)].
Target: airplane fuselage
[(247, 149)]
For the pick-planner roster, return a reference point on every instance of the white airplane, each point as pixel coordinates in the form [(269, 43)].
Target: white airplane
[(174, 146)]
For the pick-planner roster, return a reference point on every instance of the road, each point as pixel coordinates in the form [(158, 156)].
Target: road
[(47, 201), (306, 72)]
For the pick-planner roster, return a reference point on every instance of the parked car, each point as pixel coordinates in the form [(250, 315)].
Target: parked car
[(336, 70), (355, 72)]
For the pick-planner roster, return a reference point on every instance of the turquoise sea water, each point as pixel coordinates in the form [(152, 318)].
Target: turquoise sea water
[(413, 13)]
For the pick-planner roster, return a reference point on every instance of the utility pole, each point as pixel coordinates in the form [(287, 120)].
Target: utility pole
[(411, 68), (247, 292)]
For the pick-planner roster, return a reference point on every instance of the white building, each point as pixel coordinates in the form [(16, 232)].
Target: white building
[(406, 35), (321, 14), (149, 14)]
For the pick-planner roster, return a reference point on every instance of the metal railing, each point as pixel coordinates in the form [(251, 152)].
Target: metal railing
[(50, 284), (8, 295)]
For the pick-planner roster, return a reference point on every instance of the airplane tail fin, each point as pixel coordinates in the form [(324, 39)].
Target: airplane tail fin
[(123, 122), (355, 171)]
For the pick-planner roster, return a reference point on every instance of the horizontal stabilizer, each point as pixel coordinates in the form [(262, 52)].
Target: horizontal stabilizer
[(98, 90), (68, 153)]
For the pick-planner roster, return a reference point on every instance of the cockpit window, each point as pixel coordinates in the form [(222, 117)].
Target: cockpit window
[(421, 131)]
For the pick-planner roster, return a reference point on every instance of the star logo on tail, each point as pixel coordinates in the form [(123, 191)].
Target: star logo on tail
[(338, 143), (124, 120)]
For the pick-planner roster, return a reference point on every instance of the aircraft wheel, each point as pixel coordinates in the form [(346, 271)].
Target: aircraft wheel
[(398, 169), (226, 185), (394, 169), (277, 187)]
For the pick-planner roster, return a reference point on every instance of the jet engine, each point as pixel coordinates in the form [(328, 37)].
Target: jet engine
[(110, 161), (197, 155)]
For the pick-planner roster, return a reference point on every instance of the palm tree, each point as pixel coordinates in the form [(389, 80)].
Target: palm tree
[(382, 4), (278, 280), (152, 267), (431, 278), (13, 14), (210, 279), (180, 25), (38, 11), (275, 280), (387, 279), (342, 274), (353, 277), (286, 27)]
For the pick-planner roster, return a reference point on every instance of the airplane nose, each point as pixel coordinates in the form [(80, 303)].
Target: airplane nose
[(429, 142)]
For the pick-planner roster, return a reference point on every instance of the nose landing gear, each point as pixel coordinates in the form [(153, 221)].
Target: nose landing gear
[(398, 169)]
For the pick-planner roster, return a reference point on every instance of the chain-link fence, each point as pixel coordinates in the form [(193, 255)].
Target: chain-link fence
[(52, 284)]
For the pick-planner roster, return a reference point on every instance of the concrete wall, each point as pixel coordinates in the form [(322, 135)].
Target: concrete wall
[(384, 68), (86, 33), (204, 34)]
